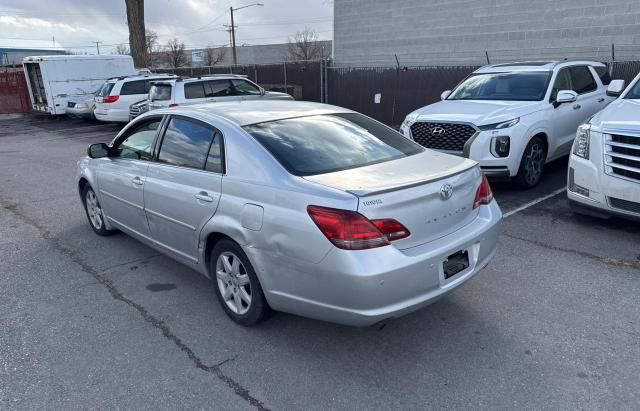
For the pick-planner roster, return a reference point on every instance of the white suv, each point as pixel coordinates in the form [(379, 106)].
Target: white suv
[(206, 89), (513, 118), (604, 167), (117, 94)]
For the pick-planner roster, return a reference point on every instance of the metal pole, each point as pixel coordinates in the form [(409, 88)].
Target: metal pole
[(326, 81), (98, 46), (233, 37), (486, 53), (284, 65), (321, 82), (255, 73)]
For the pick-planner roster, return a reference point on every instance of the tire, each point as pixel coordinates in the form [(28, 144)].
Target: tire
[(532, 164), (236, 285), (94, 211)]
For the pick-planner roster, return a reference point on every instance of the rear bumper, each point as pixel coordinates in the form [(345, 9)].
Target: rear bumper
[(364, 287), (106, 114)]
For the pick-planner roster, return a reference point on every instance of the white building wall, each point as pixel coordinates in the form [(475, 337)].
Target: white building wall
[(445, 32)]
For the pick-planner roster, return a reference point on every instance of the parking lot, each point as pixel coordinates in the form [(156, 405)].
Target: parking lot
[(106, 322)]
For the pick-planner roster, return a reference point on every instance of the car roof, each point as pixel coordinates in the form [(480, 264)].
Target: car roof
[(141, 77), (205, 77), (534, 66), (246, 112)]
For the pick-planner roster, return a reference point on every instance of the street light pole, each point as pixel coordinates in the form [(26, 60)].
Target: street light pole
[(233, 28)]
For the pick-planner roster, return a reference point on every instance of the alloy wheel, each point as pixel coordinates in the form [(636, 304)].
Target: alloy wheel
[(534, 162), (233, 282), (93, 210)]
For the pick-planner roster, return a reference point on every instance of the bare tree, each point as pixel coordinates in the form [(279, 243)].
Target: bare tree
[(305, 46), (175, 53), (121, 49), (152, 46), (135, 20), (213, 56)]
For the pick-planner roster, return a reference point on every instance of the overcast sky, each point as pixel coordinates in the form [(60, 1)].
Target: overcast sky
[(198, 23)]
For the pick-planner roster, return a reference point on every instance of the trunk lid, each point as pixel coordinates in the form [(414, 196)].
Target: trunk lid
[(409, 191)]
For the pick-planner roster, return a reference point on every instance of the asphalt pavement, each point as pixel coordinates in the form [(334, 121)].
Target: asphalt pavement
[(106, 322)]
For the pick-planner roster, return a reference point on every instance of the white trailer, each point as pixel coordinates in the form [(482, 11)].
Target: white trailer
[(55, 80)]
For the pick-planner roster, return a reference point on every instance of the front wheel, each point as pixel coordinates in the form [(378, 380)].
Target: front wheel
[(236, 284), (94, 211), (532, 164)]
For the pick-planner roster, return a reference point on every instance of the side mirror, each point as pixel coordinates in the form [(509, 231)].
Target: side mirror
[(99, 150), (566, 96), (445, 94), (616, 87), (262, 91)]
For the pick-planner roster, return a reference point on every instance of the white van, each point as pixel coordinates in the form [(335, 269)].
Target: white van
[(53, 81), (117, 94)]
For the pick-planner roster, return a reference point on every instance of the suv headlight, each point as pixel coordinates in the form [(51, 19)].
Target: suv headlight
[(501, 125), (581, 143), (406, 124)]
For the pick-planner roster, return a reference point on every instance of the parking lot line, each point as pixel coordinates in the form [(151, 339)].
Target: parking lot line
[(534, 202)]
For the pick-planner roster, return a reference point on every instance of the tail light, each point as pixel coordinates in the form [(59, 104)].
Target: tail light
[(392, 229), (484, 195), (173, 105), (350, 230), (110, 99)]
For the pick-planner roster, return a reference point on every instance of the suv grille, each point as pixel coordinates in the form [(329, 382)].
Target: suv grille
[(622, 156), (624, 205), (442, 136)]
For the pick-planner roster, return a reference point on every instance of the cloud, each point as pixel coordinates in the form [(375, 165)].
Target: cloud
[(198, 23)]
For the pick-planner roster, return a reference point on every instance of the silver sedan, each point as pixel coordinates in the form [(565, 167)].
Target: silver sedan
[(298, 207)]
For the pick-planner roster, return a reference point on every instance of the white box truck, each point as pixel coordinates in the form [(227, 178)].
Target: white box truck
[(54, 80)]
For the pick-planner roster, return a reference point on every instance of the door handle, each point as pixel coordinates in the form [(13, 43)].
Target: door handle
[(577, 106), (601, 99), (204, 196), (137, 181)]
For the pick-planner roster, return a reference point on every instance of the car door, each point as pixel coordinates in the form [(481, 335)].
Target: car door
[(183, 185), (565, 117), (246, 90), (220, 90), (121, 176)]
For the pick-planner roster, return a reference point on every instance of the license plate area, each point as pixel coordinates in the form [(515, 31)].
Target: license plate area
[(455, 263)]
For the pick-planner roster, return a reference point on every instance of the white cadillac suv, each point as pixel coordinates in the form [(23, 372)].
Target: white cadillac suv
[(604, 167), (513, 118)]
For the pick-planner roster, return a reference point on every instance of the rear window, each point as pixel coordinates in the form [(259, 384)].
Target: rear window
[(583, 81), (160, 92), (326, 143), (133, 87), (105, 89)]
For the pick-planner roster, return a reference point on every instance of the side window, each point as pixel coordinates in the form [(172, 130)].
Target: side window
[(603, 73), (215, 158), (218, 88), (186, 143), (194, 90), (563, 82), (138, 145), (582, 79), (132, 87), (245, 88)]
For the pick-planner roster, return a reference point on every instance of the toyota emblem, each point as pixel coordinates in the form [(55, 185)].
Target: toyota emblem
[(437, 131), (446, 191)]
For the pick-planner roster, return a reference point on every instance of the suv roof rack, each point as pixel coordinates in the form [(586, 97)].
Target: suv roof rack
[(223, 75)]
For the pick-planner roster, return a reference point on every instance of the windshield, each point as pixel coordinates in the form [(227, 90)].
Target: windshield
[(634, 91), (160, 92), (524, 86), (105, 89), (326, 143)]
